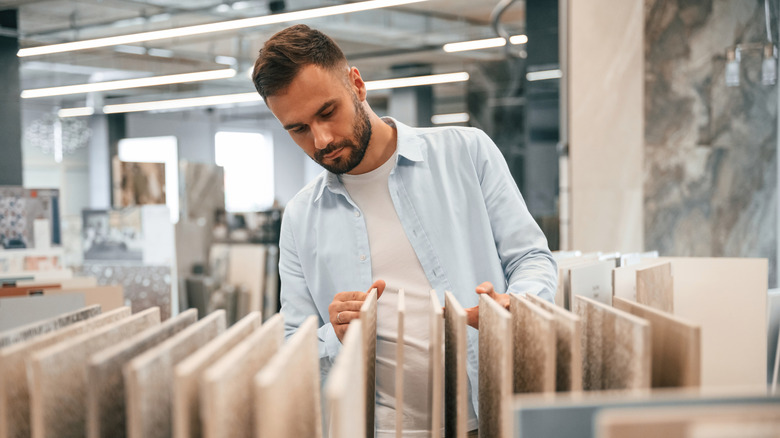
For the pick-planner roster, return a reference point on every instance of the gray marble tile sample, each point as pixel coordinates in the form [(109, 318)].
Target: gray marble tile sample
[(19, 311), (368, 317), (344, 394), (187, 375), (287, 389), (31, 330), (615, 346), (399, 368), (495, 369), (455, 378), (58, 376), (436, 364), (106, 389), (654, 287), (568, 346), (593, 280), (14, 389), (534, 350), (676, 345), (227, 408), (149, 377)]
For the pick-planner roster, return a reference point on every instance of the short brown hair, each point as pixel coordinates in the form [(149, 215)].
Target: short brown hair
[(285, 53)]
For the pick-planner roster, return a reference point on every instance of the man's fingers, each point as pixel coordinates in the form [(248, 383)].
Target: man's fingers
[(345, 317), (472, 316), (379, 285), (350, 296)]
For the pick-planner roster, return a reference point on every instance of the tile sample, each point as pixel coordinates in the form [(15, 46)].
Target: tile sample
[(106, 389), (773, 329), (533, 344), (14, 390), (455, 378), (615, 346), (399, 368), (287, 389), (654, 287), (144, 286), (247, 269), (593, 280), (149, 378), (107, 297), (562, 295), (368, 317), (436, 364), (568, 346), (31, 330), (344, 395), (58, 378), (19, 311), (226, 386), (495, 369), (624, 278), (675, 348), (187, 375)]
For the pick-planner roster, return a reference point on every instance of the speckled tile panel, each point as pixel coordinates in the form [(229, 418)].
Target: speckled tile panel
[(226, 386), (568, 346), (368, 317), (106, 389), (144, 286), (399, 367), (287, 389), (344, 395), (149, 377), (455, 378), (593, 280), (436, 364), (58, 377), (187, 375), (533, 346), (495, 369), (654, 287), (14, 389), (29, 331)]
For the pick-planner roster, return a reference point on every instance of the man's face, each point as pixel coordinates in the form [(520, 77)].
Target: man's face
[(324, 116)]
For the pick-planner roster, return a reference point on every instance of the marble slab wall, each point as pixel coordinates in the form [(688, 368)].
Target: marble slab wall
[(710, 163)]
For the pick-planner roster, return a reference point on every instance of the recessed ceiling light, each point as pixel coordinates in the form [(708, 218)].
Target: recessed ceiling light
[(486, 43)]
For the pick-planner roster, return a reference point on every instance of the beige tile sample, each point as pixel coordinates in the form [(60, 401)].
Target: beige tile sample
[(533, 344), (399, 368), (31, 330), (568, 346), (247, 269), (187, 375), (149, 377), (455, 377), (14, 389), (592, 280), (563, 294), (226, 391), (495, 369), (624, 278), (676, 345), (654, 287), (107, 297), (344, 394), (106, 389), (287, 389), (615, 346), (58, 376), (436, 364), (368, 317)]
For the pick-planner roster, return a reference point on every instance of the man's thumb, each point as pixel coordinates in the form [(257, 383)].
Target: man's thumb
[(379, 285)]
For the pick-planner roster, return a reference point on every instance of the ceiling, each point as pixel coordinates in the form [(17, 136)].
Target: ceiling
[(378, 42)]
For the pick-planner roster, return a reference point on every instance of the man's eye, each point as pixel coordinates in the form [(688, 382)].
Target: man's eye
[(328, 114), (299, 130)]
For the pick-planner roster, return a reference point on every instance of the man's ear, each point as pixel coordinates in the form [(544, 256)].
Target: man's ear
[(357, 84)]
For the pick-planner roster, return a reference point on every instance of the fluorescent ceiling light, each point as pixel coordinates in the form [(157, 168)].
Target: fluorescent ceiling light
[(443, 119), (222, 26), (417, 80), (544, 75), (191, 102), (483, 44), (75, 112), (129, 83)]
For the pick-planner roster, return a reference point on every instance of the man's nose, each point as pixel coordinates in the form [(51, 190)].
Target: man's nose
[(322, 136)]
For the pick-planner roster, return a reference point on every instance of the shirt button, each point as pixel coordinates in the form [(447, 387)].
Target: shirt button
[(363, 258), (357, 213)]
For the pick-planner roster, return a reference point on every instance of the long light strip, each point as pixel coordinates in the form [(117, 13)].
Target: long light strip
[(226, 99), (241, 23), (130, 83), (483, 44), (75, 112), (543, 75), (444, 119), (417, 81)]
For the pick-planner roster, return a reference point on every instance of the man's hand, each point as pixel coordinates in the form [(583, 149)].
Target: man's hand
[(472, 313), (346, 306)]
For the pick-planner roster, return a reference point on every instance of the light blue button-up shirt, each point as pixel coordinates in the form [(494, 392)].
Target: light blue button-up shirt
[(462, 213)]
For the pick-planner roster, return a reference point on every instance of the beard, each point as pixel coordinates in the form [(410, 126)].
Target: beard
[(354, 149)]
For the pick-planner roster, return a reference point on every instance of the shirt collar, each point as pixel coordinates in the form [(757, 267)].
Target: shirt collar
[(408, 144)]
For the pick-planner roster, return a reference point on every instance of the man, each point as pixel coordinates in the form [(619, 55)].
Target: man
[(397, 208)]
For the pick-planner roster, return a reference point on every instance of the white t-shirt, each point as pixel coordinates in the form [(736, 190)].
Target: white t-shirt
[(393, 259)]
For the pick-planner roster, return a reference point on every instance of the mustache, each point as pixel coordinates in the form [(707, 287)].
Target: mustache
[(320, 154)]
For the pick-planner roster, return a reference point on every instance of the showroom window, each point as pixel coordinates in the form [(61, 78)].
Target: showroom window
[(248, 159)]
